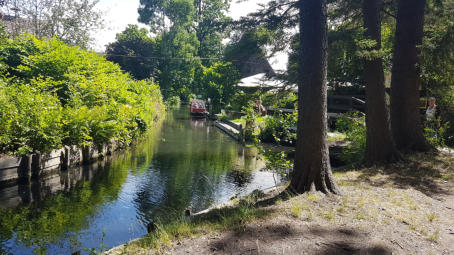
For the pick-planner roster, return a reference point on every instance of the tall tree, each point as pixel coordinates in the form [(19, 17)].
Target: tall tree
[(380, 146), (176, 72), (72, 21), (206, 18), (135, 52), (210, 21), (312, 170), (406, 81)]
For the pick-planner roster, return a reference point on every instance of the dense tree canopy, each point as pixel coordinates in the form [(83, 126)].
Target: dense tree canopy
[(135, 51), (72, 21)]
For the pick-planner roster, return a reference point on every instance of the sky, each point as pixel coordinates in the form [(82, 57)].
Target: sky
[(119, 13)]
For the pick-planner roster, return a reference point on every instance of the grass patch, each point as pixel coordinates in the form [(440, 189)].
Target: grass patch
[(435, 236), (296, 209), (328, 215), (431, 217), (227, 218), (312, 197)]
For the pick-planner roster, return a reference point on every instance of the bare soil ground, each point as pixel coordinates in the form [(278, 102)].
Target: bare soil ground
[(405, 208)]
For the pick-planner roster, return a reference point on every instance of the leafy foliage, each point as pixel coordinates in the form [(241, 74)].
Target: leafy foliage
[(250, 117), (189, 34), (173, 101), (136, 52), (217, 82), (280, 129), (176, 73), (30, 119), (438, 137), (72, 21), (60, 95), (354, 126)]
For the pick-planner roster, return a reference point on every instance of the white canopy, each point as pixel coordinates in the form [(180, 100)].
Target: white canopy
[(260, 80)]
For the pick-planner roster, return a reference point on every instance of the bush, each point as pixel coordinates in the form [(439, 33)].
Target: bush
[(218, 82), (354, 126), (250, 119), (29, 120), (438, 137), (57, 95), (448, 132), (241, 99), (280, 129), (173, 102)]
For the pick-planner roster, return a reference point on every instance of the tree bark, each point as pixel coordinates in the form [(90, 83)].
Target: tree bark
[(405, 118), (380, 147), (312, 170)]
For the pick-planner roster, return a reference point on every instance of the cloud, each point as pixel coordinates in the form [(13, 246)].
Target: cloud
[(117, 15)]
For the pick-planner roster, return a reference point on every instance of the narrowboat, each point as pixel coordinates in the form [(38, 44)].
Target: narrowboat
[(198, 108)]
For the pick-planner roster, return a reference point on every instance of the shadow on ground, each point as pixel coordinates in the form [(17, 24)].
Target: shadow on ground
[(427, 173), (287, 239)]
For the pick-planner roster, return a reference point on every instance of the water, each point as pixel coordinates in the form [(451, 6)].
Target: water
[(181, 164)]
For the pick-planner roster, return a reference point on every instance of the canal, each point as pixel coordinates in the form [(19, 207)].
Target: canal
[(182, 163)]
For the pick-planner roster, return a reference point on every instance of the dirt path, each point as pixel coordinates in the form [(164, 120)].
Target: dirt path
[(417, 225)]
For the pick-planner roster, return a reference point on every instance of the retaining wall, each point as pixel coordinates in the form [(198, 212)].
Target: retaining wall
[(22, 169), (56, 181)]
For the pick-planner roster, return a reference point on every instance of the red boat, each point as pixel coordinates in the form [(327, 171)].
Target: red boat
[(198, 108)]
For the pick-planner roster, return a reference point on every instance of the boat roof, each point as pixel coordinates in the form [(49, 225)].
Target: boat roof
[(197, 101)]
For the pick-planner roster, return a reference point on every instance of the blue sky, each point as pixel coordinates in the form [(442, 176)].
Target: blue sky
[(119, 13)]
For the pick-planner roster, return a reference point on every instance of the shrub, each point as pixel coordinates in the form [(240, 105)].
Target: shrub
[(241, 99), (438, 138), (57, 95), (29, 120), (250, 117), (353, 125), (280, 129), (173, 101)]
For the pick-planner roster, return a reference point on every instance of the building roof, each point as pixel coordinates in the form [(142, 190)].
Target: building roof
[(263, 81)]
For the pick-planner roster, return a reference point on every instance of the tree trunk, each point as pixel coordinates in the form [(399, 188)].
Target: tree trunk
[(405, 118), (380, 147), (312, 170)]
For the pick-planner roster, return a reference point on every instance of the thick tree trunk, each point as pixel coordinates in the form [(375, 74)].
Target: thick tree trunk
[(405, 118), (312, 169), (380, 147)]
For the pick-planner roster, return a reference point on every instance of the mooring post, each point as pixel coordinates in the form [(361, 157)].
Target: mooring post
[(241, 133), (64, 158), (36, 165), (86, 154), (24, 171)]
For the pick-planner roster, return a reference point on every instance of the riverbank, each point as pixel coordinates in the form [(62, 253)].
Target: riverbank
[(404, 208), (183, 163)]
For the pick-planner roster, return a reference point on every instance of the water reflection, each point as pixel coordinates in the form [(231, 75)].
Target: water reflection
[(189, 164)]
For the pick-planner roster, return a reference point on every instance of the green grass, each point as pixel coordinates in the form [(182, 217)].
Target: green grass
[(228, 218), (330, 215), (259, 120), (296, 209), (312, 197), (431, 216)]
